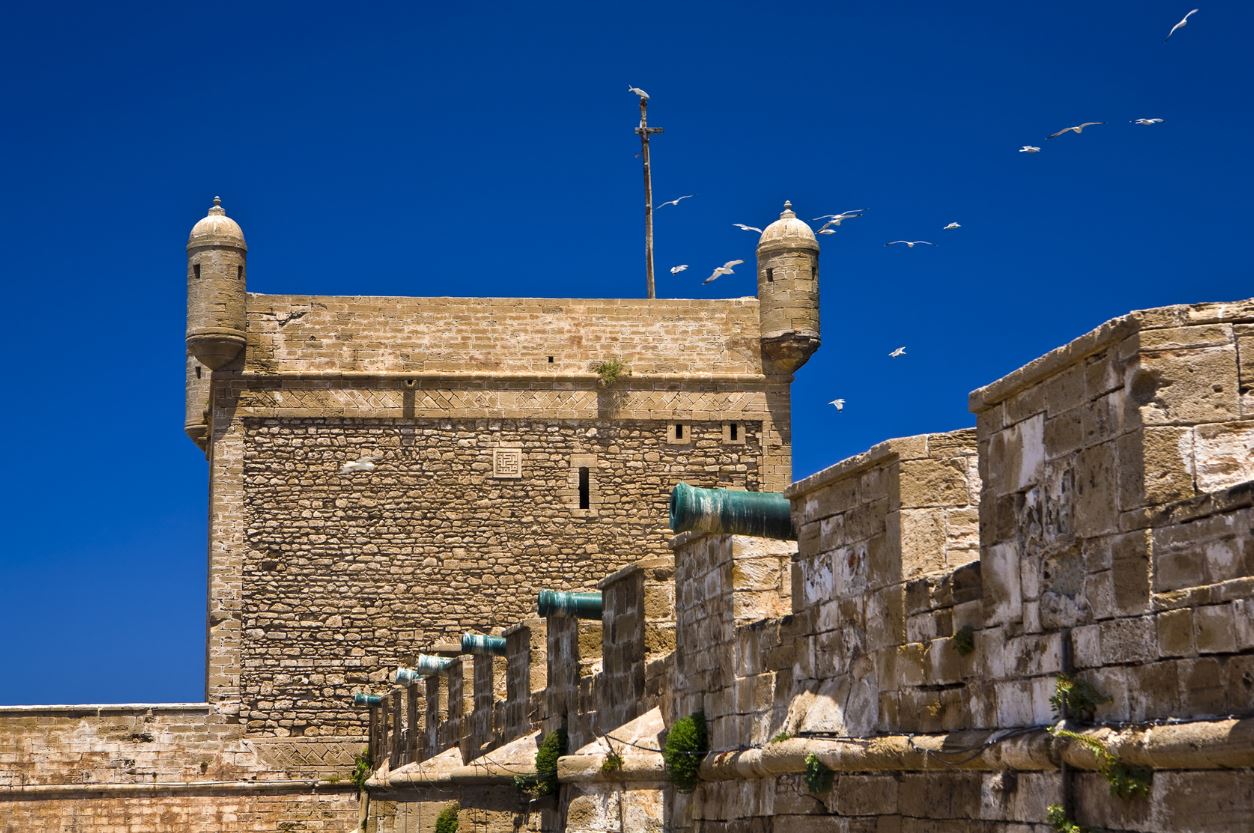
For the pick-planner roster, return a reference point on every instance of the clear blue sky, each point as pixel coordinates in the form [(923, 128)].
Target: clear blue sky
[(487, 149)]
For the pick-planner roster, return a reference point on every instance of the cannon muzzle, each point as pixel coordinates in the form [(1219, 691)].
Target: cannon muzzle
[(481, 643), (563, 603), (727, 512), (425, 667), (361, 698)]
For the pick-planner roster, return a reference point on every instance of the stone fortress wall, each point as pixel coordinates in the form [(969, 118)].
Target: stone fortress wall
[(503, 463), (1096, 526)]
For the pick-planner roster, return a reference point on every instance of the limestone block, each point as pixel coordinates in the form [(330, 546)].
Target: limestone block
[(1177, 338), (1129, 640), (1191, 386), (1156, 466), (1214, 629), (1223, 454), (922, 536), (1096, 506), (1065, 390), (1175, 632), (1002, 591), (1015, 456), (933, 482)]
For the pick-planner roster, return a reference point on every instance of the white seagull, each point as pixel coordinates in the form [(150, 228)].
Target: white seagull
[(909, 243), (360, 464), (638, 92), (826, 230), (837, 219), (839, 403), (675, 270), (675, 201), (1029, 149), (898, 353), (1148, 121), (1077, 130), (1183, 22), (952, 226), (725, 269), (743, 227)]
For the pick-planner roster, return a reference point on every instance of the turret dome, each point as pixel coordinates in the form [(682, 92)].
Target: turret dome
[(217, 228), (788, 231)]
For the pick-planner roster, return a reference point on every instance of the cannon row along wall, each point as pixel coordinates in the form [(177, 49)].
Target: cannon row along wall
[(1096, 526)]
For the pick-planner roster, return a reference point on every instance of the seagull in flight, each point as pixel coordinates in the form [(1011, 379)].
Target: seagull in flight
[(910, 243), (360, 464), (898, 353), (1148, 121), (743, 227), (826, 230), (1183, 22), (839, 403), (1029, 149), (725, 269), (676, 201), (1077, 130), (675, 270), (643, 95), (952, 226), (837, 219)]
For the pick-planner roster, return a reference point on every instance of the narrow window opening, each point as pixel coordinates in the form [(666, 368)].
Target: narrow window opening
[(239, 273), (196, 270), (583, 487), (814, 273), (197, 371), (735, 431), (679, 430), (770, 276), (550, 360)]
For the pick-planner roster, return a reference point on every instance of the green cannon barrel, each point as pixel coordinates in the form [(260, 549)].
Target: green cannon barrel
[(425, 667), (760, 514), (481, 643), (563, 603), (361, 698)]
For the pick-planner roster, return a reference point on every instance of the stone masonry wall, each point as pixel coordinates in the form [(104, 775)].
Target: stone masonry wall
[(347, 576)]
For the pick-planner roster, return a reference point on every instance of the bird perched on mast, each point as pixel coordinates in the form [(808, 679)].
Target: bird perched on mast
[(638, 91)]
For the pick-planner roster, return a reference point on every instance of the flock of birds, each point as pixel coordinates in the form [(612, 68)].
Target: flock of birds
[(831, 222)]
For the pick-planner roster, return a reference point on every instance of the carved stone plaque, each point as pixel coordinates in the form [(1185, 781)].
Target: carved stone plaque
[(507, 463)]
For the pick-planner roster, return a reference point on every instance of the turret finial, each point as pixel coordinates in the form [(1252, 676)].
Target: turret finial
[(787, 212), (217, 206)]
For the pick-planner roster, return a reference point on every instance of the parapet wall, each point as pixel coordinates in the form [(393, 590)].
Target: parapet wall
[(1096, 527)]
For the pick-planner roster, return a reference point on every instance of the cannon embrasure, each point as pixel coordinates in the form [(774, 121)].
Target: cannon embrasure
[(481, 643), (425, 666), (564, 603), (727, 512)]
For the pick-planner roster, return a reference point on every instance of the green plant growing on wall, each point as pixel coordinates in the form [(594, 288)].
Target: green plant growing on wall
[(687, 743), (613, 762), (1076, 699), (1057, 818), (818, 775), (362, 767), (1126, 780), (781, 737), (446, 822), (610, 371), (552, 747), (964, 640)]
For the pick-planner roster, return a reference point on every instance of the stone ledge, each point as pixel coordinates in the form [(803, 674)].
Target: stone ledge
[(101, 710)]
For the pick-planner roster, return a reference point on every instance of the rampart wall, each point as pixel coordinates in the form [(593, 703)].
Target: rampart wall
[(1045, 618)]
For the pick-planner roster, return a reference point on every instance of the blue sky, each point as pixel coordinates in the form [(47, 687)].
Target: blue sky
[(487, 149)]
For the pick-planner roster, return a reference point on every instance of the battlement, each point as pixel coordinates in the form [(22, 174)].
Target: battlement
[(939, 589)]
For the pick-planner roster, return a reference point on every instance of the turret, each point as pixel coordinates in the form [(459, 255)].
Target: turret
[(196, 407), (216, 255), (788, 292)]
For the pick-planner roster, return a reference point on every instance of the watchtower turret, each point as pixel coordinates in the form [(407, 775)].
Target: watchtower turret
[(788, 292), (216, 255)]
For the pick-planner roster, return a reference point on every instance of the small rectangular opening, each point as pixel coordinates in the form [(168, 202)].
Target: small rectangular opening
[(814, 273), (583, 487), (197, 371), (550, 360), (196, 270), (770, 275), (679, 430), (735, 431), (239, 273)]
